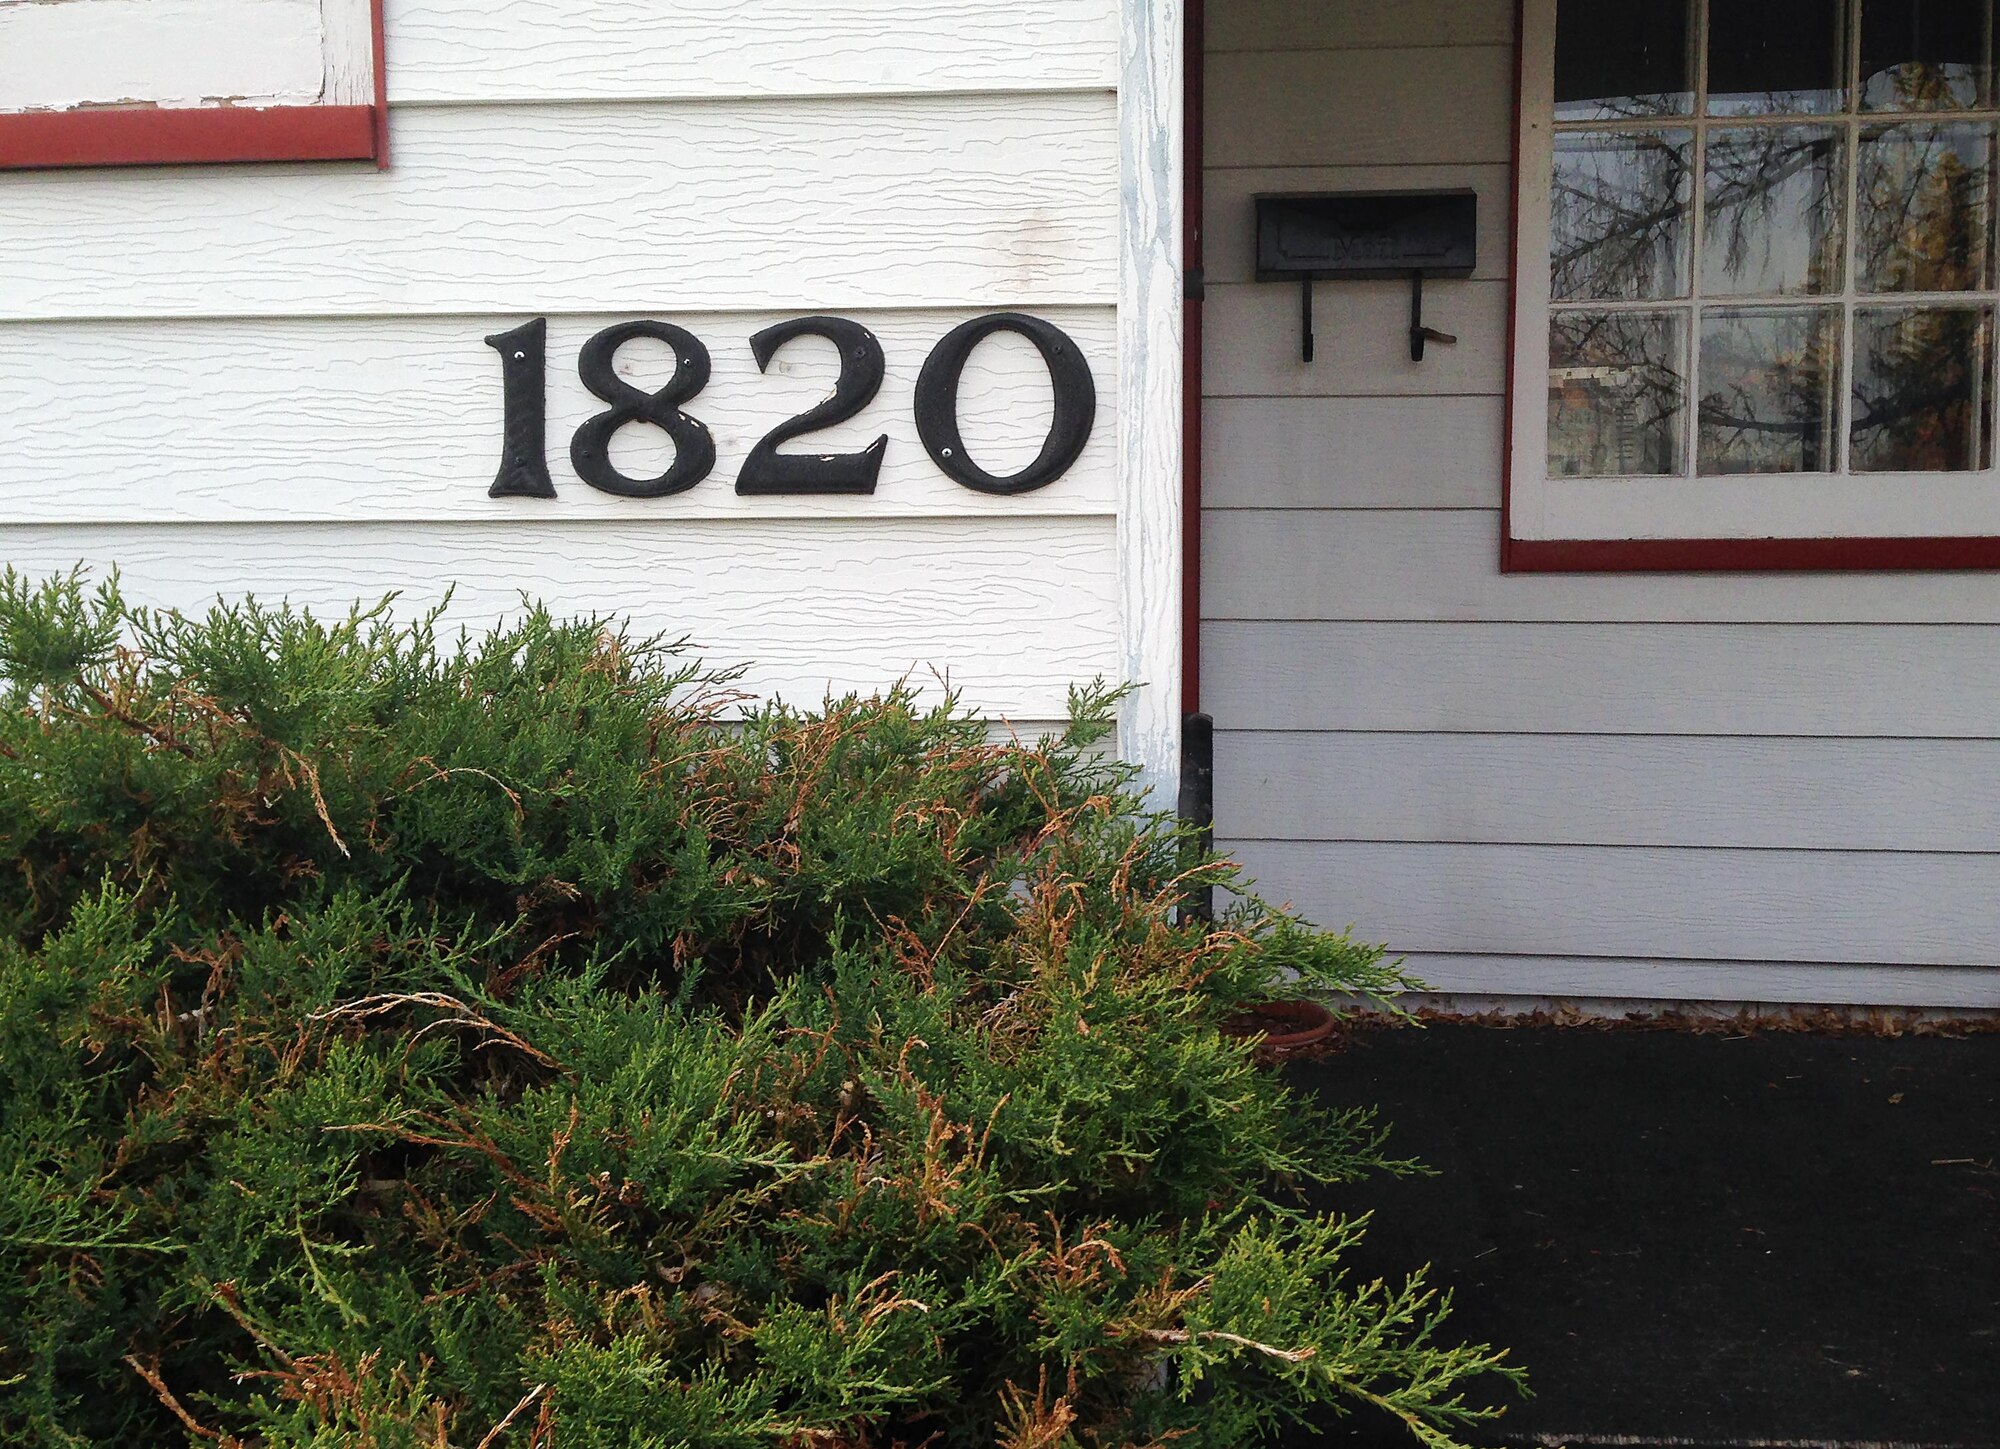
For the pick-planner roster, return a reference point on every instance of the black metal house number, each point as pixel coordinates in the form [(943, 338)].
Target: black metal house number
[(524, 469)]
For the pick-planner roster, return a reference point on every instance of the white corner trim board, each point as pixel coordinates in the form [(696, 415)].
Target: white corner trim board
[(1149, 388)]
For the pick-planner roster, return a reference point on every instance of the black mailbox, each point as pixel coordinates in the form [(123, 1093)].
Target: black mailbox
[(1368, 236), (1353, 235)]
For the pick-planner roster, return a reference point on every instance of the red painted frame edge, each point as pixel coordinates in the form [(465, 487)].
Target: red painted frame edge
[(1684, 555), (187, 136), (166, 137), (1744, 555)]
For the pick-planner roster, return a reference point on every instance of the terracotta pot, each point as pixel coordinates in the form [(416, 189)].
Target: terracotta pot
[(1283, 1023)]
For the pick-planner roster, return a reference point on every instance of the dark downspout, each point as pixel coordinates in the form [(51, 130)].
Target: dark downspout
[(1197, 804)]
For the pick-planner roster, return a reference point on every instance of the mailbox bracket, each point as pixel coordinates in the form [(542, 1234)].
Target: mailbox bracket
[(1367, 236)]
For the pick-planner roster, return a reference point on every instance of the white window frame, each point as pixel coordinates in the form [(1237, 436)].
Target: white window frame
[(1544, 513)]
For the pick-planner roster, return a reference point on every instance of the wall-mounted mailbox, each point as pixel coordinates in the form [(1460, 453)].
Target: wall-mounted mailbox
[(1368, 236)]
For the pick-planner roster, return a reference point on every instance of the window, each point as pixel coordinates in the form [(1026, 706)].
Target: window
[(1756, 285), (133, 82)]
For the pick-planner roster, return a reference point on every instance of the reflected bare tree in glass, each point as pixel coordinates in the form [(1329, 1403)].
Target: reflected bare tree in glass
[(1616, 394), (1926, 55), (1772, 223), (1922, 401), (1768, 381), (1764, 373), (1925, 199), (1619, 213)]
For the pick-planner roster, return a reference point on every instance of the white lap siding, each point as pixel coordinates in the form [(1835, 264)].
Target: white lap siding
[(1767, 788), (273, 378)]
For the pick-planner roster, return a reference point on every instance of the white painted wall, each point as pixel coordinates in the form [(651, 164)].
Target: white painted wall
[(1774, 788), (273, 378)]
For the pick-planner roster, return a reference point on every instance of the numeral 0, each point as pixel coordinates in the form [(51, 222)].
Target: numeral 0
[(524, 471), (937, 403)]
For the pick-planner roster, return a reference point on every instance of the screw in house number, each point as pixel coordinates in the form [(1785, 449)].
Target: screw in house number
[(524, 469)]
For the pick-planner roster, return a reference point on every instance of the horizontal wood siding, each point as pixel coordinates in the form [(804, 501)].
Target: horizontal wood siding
[(1375, 107), (1733, 793), (1605, 979), (806, 205), (1688, 679), (1012, 611), (400, 418), (1420, 564), (1311, 453), (273, 379), (1769, 788), (1354, 24), (1777, 905), (483, 50)]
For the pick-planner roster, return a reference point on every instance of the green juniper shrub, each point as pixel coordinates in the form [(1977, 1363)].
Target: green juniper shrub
[(530, 1041)]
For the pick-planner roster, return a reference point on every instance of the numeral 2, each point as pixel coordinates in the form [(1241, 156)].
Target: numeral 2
[(862, 366)]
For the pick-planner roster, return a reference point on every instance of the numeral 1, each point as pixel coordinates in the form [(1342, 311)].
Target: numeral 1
[(524, 436)]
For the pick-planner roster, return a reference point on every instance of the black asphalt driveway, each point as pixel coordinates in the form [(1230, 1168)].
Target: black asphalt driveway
[(1702, 1239)]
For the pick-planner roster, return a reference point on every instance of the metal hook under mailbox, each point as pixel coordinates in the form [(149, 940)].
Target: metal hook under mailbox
[(1419, 334), (1367, 236)]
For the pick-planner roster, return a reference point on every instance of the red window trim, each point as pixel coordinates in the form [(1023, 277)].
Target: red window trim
[(187, 136), (1685, 555), (1744, 555)]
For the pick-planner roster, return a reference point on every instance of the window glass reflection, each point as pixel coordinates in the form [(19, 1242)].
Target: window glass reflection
[(1774, 197), (1768, 381), (1922, 397), (1775, 57), (1834, 311), (1926, 55), (1619, 223), (1616, 394), (1630, 59), (1924, 208)]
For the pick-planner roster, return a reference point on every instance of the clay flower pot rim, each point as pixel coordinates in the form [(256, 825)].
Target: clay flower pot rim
[(1315, 1022)]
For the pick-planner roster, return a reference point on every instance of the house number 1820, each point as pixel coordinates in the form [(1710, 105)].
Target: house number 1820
[(524, 469)]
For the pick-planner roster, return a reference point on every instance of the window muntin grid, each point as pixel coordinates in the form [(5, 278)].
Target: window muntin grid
[(1793, 279)]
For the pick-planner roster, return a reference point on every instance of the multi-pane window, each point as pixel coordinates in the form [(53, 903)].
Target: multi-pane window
[(1764, 232), (1771, 238)]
